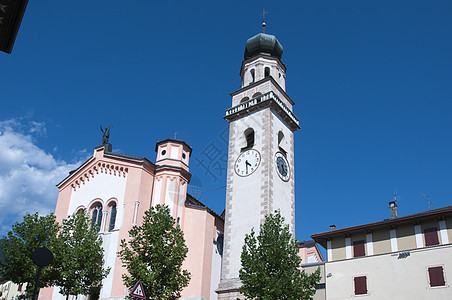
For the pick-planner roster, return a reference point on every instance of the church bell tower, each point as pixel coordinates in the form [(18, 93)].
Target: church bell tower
[(260, 176)]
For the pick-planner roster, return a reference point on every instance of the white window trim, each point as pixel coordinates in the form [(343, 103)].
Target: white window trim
[(329, 251), (443, 232), (418, 235), (348, 248), (393, 237), (369, 244)]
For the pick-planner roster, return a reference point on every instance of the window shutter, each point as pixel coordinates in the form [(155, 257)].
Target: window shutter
[(358, 248), (431, 237), (360, 285), (436, 276)]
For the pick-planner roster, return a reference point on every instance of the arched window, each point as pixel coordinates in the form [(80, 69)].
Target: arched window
[(112, 211), (280, 137), (220, 242), (253, 75), (249, 137), (96, 216), (244, 99), (267, 71), (256, 95), (78, 209), (280, 142)]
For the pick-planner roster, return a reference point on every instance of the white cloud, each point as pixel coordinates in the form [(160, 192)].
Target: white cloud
[(38, 127), (28, 174)]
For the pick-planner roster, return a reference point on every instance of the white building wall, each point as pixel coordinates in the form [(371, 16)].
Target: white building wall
[(389, 277), (170, 194), (283, 191), (103, 186), (246, 206), (215, 271)]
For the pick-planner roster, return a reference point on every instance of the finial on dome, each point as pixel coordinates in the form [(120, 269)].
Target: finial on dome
[(263, 19)]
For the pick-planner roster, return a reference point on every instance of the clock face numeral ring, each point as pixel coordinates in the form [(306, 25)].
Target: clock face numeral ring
[(247, 162), (282, 166)]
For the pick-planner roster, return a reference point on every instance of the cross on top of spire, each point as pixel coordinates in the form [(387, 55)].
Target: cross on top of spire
[(263, 19)]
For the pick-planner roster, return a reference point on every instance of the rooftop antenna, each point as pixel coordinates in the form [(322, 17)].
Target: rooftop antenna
[(263, 19), (428, 200), (395, 195), (175, 135)]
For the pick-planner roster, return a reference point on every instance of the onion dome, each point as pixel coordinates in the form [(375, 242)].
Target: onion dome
[(265, 44)]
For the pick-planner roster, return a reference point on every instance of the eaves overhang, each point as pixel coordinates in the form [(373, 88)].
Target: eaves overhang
[(173, 141), (191, 201), (436, 214), (123, 157)]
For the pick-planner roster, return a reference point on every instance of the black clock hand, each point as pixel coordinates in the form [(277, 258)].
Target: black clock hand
[(247, 164)]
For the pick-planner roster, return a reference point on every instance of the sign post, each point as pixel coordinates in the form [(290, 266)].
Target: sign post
[(138, 291), (42, 257)]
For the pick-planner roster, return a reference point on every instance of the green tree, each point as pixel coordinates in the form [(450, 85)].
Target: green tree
[(79, 257), (270, 264), (154, 255), (18, 246)]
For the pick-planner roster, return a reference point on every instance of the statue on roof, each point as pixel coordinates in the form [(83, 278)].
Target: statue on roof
[(106, 133)]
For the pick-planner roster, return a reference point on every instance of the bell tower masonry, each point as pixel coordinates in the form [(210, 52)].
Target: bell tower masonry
[(260, 176)]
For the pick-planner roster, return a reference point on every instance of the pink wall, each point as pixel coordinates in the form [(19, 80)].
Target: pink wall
[(199, 233)]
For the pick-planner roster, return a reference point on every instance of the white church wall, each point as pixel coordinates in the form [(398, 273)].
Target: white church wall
[(157, 192), (110, 242), (103, 187), (175, 152), (181, 201), (282, 190), (216, 270), (170, 194), (246, 208)]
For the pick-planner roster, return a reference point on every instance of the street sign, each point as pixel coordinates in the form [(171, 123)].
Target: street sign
[(138, 290)]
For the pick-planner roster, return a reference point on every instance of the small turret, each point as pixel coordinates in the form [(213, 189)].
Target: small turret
[(173, 153)]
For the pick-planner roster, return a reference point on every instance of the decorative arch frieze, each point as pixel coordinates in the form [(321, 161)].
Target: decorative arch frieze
[(102, 167)]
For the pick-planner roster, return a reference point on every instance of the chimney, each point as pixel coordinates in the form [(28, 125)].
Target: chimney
[(393, 207), (332, 227)]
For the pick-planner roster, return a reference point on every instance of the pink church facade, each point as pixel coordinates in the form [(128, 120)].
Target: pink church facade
[(117, 189)]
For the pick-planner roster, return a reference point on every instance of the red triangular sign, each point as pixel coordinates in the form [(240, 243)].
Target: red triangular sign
[(138, 290)]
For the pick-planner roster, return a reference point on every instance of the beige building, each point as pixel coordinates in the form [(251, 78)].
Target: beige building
[(406, 257)]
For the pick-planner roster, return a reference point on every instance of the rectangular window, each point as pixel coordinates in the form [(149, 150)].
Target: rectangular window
[(360, 285), (19, 288), (436, 276), (358, 248), (431, 237)]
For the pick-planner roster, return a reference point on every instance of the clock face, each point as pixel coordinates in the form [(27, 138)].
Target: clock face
[(282, 166), (247, 162)]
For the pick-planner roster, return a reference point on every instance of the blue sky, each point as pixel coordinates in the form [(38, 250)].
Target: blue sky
[(371, 81)]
